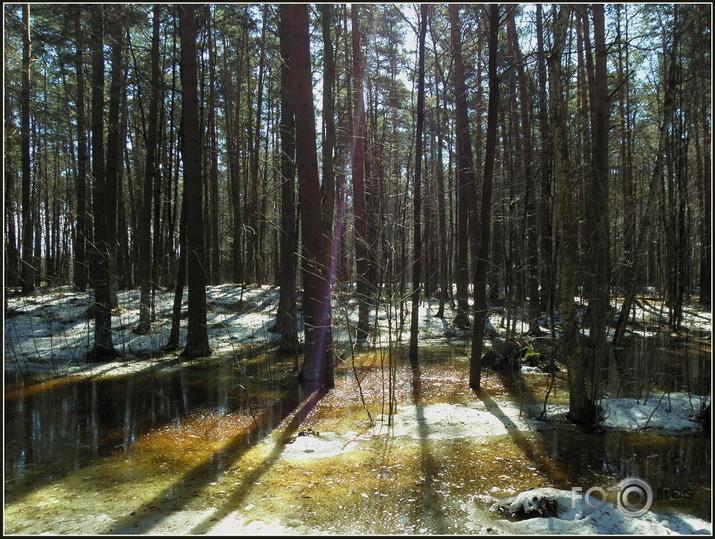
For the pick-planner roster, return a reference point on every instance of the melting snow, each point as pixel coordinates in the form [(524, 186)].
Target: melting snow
[(51, 332)]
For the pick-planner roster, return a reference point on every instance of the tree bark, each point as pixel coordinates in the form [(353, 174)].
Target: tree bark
[(327, 189), (702, 124), (28, 271), (80, 238), (581, 408), (466, 179), (417, 189), (287, 316), (482, 265), (445, 282), (145, 227), (233, 139), (358, 173), (530, 180), (544, 218), (103, 344), (12, 260), (124, 263), (316, 372), (214, 251), (114, 144), (173, 342), (597, 210), (197, 342), (253, 254), (328, 184)]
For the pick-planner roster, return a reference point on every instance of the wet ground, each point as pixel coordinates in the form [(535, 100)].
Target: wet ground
[(229, 445)]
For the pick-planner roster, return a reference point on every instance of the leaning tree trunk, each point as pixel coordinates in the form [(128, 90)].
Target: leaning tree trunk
[(667, 108), (173, 342)]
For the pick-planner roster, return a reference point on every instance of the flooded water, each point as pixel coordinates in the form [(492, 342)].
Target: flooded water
[(182, 447)]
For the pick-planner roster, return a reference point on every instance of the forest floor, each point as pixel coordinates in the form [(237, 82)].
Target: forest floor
[(402, 452)]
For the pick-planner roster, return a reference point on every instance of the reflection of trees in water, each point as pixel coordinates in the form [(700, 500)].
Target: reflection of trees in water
[(62, 425)]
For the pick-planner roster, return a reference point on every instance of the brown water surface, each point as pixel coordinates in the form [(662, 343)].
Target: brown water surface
[(228, 436)]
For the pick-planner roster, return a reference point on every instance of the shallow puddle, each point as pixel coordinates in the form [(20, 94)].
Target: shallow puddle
[(225, 447)]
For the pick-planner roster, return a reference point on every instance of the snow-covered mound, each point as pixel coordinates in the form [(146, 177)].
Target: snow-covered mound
[(573, 513)]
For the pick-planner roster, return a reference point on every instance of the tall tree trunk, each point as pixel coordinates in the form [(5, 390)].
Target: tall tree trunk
[(327, 188), (114, 144), (12, 260), (253, 255), (80, 238), (158, 261), (197, 341), (328, 184), (358, 173), (214, 252), (544, 211), (145, 229), (181, 269), (675, 193), (625, 154), (482, 265), (417, 189), (703, 126), (29, 271), (442, 248), (171, 200), (173, 342), (531, 185), (103, 344), (286, 317), (317, 365), (581, 408), (234, 162), (124, 267), (597, 211), (466, 178)]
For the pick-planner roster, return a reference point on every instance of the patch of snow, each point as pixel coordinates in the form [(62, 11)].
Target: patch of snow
[(659, 412), (668, 412), (444, 421), (527, 369), (576, 516), (322, 445)]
